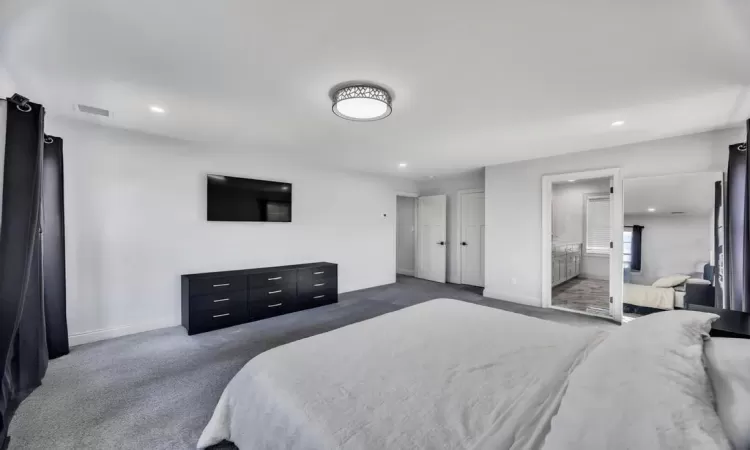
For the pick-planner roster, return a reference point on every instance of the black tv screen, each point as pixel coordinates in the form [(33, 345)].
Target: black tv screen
[(232, 199)]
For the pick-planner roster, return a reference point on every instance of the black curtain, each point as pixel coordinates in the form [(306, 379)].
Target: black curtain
[(718, 269), (53, 248), (23, 349), (737, 231), (635, 248)]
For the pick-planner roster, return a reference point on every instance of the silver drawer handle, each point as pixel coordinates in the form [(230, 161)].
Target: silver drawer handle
[(221, 300), (274, 292), (319, 284), (273, 306), (274, 279), (221, 285), (221, 315), (318, 296), (318, 273)]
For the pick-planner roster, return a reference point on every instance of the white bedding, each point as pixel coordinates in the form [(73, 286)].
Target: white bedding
[(644, 387), (443, 374), (652, 297)]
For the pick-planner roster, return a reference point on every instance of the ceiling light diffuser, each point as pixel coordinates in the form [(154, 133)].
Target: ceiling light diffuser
[(402, 165), (618, 123), (362, 102), (651, 209), (157, 109)]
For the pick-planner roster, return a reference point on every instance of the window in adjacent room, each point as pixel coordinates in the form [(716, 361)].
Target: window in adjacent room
[(598, 235), (627, 247)]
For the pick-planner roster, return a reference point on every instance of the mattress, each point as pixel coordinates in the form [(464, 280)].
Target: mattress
[(483, 378)]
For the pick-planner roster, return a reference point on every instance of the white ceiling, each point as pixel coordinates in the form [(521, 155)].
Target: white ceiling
[(475, 82), (692, 194)]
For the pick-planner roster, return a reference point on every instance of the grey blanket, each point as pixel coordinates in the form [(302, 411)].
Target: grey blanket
[(443, 374)]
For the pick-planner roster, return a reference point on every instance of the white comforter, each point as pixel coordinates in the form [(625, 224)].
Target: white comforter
[(652, 297), (482, 378)]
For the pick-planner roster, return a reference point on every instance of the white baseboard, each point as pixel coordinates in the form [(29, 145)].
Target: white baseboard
[(589, 276), (109, 333), (409, 273), (531, 301)]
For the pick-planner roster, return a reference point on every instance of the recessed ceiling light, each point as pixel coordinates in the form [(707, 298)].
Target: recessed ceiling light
[(651, 209), (402, 165), (571, 181), (362, 102), (618, 123), (157, 109)]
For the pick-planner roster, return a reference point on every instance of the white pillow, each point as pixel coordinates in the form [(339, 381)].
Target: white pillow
[(644, 387), (670, 281), (697, 281), (728, 363)]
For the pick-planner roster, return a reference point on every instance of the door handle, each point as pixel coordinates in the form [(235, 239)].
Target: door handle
[(441, 243), (464, 243)]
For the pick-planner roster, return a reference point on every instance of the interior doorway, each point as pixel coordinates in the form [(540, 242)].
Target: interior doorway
[(406, 235), (582, 243), (421, 242)]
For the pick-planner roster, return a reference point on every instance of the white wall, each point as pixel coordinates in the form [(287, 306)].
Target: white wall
[(450, 187), (671, 245), (135, 221), (514, 196), (405, 232), (569, 221)]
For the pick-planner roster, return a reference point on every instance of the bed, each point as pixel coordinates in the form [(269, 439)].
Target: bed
[(443, 374), (663, 298), (655, 298)]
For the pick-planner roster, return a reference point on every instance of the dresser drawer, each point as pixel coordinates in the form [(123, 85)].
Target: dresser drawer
[(310, 274), (218, 301), (270, 306), (212, 285), (306, 287), (221, 317), (271, 279), (272, 294), (329, 295)]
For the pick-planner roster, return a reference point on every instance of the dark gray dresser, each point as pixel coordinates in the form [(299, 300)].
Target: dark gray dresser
[(222, 299)]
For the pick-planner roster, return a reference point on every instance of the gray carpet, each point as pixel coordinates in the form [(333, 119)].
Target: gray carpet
[(157, 390)]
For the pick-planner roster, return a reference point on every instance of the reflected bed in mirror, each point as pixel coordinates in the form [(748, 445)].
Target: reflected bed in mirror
[(672, 242)]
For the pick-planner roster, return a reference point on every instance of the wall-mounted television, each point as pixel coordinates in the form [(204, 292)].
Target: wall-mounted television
[(232, 199)]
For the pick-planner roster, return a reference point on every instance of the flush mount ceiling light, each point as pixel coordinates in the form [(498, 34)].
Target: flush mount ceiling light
[(618, 123), (157, 109), (361, 102), (651, 209)]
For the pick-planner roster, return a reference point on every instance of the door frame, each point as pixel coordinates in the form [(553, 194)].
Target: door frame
[(459, 221), (616, 225), (415, 196)]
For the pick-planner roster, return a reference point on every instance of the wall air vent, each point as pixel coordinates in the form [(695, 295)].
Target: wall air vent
[(93, 110)]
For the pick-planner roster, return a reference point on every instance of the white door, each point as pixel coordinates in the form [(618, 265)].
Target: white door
[(612, 283), (431, 217), (471, 246)]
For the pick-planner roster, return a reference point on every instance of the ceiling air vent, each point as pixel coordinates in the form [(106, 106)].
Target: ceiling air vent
[(93, 110), (677, 213)]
